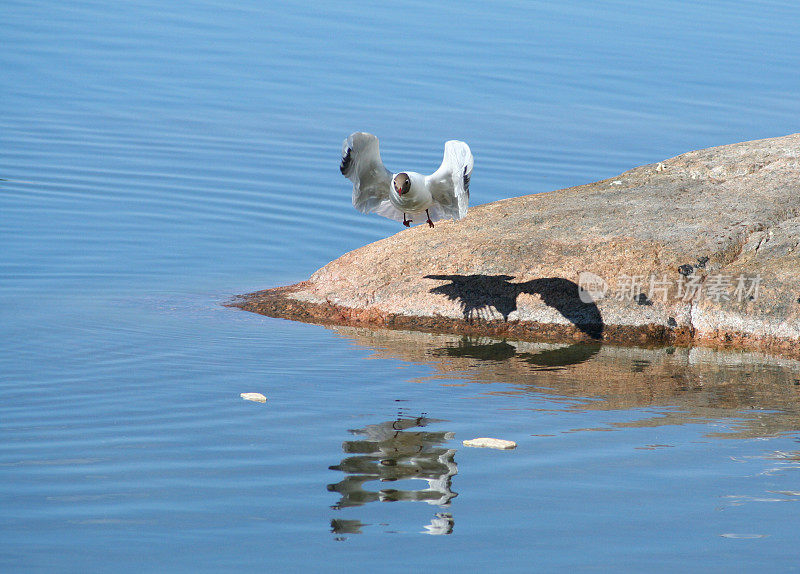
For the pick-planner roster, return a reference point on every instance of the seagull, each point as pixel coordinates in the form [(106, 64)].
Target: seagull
[(443, 194)]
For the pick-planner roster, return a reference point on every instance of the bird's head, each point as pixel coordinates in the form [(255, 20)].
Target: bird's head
[(401, 183)]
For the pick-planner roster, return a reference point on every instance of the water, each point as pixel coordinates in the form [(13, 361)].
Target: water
[(158, 159)]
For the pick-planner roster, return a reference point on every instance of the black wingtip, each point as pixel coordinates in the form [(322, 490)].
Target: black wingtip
[(466, 180), (346, 161)]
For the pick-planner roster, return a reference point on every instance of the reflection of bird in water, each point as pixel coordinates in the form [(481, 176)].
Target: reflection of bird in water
[(441, 523), (339, 526), (390, 452)]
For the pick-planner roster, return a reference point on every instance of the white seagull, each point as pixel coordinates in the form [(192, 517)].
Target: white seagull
[(443, 194)]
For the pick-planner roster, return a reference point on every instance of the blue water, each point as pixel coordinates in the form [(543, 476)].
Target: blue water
[(158, 158)]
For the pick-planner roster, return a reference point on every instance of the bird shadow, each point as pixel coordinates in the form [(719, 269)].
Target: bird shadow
[(477, 294)]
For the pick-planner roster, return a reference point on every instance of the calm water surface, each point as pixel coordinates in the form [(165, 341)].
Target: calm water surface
[(157, 159)]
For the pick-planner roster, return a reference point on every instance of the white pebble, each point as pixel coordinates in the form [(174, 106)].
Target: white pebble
[(484, 442), (257, 397)]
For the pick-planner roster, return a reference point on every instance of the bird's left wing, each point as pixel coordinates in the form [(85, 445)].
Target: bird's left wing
[(361, 164), (449, 184)]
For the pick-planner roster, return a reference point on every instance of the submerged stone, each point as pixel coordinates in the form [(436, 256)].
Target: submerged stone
[(256, 397), (485, 442)]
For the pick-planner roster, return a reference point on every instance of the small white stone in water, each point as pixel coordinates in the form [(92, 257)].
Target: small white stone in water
[(484, 442), (257, 397)]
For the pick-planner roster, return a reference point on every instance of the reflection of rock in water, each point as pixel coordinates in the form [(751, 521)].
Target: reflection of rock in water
[(562, 356), (490, 350), (470, 348), (755, 394), (390, 452)]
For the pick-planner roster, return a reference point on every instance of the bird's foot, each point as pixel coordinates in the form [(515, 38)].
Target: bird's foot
[(407, 222), (430, 223)]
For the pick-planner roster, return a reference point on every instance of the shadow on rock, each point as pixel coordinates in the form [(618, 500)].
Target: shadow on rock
[(479, 293)]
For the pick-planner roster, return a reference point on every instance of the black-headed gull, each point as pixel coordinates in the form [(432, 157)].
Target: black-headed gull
[(443, 194)]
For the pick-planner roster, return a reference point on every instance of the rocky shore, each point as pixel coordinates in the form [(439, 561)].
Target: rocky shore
[(703, 248)]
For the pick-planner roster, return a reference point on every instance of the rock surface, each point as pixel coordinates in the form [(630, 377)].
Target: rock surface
[(703, 247)]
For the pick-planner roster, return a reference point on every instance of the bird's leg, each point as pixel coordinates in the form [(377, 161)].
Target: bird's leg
[(429, 218), (407, 222)]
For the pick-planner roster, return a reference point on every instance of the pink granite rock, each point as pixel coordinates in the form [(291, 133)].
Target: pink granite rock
[(703, 247)]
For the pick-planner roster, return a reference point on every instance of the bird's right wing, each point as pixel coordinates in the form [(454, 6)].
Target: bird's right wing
[(361, 164), (449, 185)]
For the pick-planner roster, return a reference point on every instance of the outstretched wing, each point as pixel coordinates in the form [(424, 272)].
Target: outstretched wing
[(449, 184), (361, 164)]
